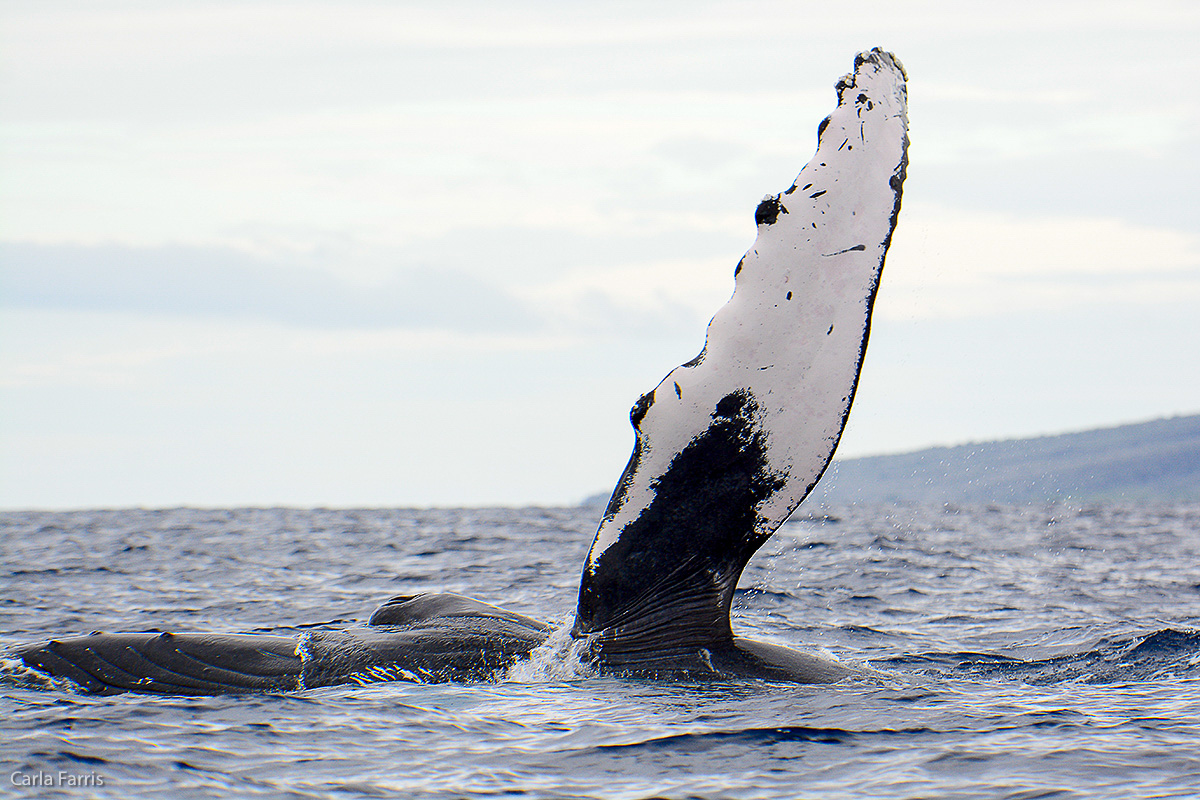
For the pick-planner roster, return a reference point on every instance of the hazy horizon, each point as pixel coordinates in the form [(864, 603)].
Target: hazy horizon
[(364, 254)]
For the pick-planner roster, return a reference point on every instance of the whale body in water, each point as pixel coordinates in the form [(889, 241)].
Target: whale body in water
[(727, 446)]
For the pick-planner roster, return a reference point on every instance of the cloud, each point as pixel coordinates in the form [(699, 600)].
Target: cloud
[(549, 283), (651, 297), (951, 263), (221, 282)]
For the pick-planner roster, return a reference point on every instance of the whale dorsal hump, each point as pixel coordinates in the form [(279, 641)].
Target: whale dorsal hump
[(425, 609), (730, 443)]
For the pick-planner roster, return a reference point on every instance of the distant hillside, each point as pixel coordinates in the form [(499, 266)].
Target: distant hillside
[(1157, 460)]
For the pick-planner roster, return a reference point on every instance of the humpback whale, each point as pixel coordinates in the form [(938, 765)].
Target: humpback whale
[(726, 447)]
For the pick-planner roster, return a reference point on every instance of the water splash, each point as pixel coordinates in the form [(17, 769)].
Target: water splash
[(15, 673), (560, 658)]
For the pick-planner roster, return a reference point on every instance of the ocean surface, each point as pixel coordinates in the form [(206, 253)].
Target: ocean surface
[(1025, 652)]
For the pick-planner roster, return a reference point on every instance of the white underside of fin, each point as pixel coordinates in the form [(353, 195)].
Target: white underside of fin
[(794, 332)]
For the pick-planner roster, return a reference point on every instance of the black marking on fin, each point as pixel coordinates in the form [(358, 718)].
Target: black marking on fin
[(768, 211), (858, 248), (638, 412), (668, 579), (618, 496)]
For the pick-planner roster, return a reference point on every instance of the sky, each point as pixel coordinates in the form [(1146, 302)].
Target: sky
[(429, 253)]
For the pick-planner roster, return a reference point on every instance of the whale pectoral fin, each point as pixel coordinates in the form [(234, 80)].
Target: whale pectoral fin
[(665, 628), (665, 584), (731, 442), (165, 663)]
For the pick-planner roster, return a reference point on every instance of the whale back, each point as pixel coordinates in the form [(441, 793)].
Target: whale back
[(427, 638), (731, 442), (171, 663)]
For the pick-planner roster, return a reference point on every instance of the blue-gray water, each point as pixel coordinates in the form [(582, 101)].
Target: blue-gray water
[(1030, 652)]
